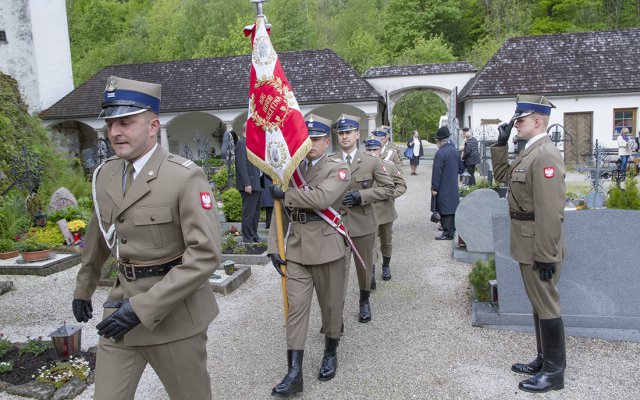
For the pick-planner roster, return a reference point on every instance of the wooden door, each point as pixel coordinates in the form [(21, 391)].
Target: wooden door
[(579, 128)]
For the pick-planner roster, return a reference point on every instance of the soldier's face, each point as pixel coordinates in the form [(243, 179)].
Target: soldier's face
[(384, 140), (319, 146), (528, 126), (134, 135), (348, 139), (374, 152)]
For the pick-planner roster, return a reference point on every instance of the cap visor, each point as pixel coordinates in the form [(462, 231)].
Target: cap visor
[(521, 114), (120, 111)]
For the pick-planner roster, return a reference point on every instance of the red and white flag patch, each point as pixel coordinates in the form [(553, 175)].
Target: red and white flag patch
[(342, 174), (205, 200), (549, 172)]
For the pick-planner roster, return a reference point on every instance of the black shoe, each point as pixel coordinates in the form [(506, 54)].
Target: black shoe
[(365, 308), (374, 285), (292, 382), (386, 269), (551, 376), (534, 366), (443, 237), (329, 360)]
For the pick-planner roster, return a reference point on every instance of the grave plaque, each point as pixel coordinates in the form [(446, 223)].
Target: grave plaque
[(64, 228), (473, 219), (61, 199)]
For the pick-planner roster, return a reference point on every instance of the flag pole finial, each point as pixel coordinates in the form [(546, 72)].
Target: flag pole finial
[(258, 4)]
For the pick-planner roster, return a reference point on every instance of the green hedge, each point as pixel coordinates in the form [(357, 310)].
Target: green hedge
[(479, 277), (232, 205)]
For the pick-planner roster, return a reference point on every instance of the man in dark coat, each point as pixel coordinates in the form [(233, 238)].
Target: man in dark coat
[(248, 183), (444, 182), (470, 154)]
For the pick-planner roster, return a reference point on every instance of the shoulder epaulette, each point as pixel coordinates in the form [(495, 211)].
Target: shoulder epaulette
[(338, 160), (112, 158), (185, 162)]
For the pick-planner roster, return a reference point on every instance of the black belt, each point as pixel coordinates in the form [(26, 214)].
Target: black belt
[(303, 217), (132, 272), (522, 216)]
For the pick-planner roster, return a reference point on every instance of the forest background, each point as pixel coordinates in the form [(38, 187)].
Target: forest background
[(365, 33)]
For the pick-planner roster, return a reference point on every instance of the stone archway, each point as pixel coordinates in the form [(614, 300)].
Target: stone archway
[(72, 137), (193, 134), (428, 125)]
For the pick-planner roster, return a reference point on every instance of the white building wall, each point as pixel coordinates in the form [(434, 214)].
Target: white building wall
[(37, 52), (601, 106)]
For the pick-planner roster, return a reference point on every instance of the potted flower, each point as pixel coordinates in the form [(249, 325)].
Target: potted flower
[(33, 250), (7, 249), (78, 227)]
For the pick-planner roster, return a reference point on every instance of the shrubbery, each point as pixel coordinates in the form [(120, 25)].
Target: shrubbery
[(480, 275), (232, 204), (627, 199)]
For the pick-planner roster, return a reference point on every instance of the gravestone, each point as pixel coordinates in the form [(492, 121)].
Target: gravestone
[(61, 199), (473, 219)]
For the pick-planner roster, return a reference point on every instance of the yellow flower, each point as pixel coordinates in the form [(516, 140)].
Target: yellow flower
[(77, 225)]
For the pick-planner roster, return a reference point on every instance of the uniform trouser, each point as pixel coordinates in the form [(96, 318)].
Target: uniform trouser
[(543, 295), (250, 216), (328, 280), (385, 232), (364, 245), (181, 366)]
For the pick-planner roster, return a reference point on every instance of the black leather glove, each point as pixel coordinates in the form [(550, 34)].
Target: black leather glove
[(504, 131), (276, 192), (82, 310), (546, 270), (120, 322), (277, 262), (352, 199)]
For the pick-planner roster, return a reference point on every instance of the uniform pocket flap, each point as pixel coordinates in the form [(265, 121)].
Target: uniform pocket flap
[(528, 229), (520, 177), (328, 230), (152, 215), (360, 178)]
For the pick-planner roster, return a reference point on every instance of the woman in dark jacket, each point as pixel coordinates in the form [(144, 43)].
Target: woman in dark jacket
[(415, 144), (444, 182)]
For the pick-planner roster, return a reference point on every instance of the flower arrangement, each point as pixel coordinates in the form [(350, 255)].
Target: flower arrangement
[(32, 244), (50, 234), (35, 346), (63, 372), (77, 226), (7, 245)]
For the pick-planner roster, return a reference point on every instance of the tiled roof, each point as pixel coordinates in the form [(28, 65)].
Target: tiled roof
[(421, 69), (316, 76), (568, 63)]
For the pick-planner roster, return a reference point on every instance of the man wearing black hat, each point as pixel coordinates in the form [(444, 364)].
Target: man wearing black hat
[(536, 198), (444, 182), (327, 179), (357, 206), (153, 211)]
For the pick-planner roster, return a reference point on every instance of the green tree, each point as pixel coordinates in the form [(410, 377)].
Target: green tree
[(419, 110), (425, 51)]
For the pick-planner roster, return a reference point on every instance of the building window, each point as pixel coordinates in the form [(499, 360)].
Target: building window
[(624, 118), (3, 37)]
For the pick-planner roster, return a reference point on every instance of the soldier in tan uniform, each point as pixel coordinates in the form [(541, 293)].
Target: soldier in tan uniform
[(357, 206), (315, 255), (536, 205), (390, 151), (154, 212), (385, 211)]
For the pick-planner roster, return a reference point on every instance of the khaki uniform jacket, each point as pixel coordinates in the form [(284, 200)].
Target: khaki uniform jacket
[(365, 171), (391, 152), (162, 216), (315, 242), (386, 210), (536, 184)]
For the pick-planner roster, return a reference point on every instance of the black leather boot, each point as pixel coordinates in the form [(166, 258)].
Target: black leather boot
[(292, 381), (534, 366), (330, 359), (365, 308), (373, 279), (551, 376), (386, 270)]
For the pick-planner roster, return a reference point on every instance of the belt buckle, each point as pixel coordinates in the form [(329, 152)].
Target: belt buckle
[(129, 276), (302, 217)]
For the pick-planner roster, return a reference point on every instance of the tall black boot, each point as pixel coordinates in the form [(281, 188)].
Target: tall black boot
[(292, 381), (551, 376), (534, 366), (365, 308), (373, 278), (386, 270), (330, 359)]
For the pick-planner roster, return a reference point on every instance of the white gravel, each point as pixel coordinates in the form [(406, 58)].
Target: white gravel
[(420, 344)]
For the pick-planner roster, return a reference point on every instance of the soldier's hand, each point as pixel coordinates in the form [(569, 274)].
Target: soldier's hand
[(276, 192), (504, 131), (82, 310), (546, 270), (120, 322), (352, 199), (277, 262)]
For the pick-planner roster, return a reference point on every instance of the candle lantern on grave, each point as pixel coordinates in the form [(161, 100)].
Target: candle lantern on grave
[(66, 340)]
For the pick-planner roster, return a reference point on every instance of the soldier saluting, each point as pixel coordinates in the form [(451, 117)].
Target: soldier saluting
[(154, 212), (536, 205)]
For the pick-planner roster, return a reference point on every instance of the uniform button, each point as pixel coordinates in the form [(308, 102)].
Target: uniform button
[(123, 240), (152, 219), (121, 219)]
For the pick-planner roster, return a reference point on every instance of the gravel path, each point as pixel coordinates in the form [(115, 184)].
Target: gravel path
[(420, 344)]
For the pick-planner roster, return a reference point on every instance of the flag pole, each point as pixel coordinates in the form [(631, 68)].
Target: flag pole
[(278, 210)]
